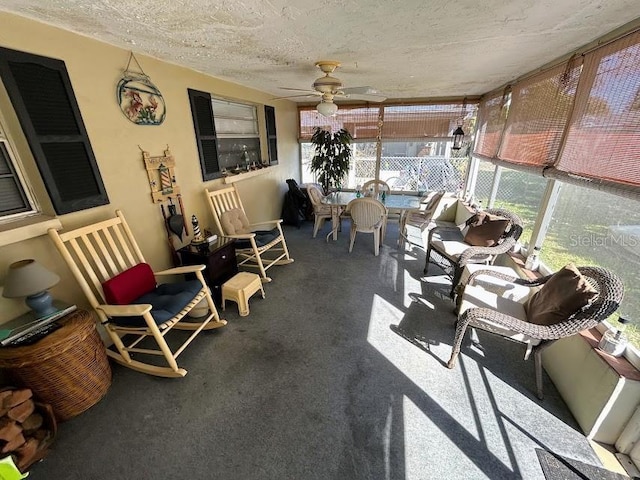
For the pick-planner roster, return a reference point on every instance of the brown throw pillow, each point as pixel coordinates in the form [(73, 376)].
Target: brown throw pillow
[(485, 229), (563, 294)]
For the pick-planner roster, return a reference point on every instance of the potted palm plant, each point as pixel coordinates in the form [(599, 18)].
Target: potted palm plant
[(332, 156)]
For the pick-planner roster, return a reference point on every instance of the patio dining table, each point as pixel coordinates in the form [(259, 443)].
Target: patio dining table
[(395, 203)]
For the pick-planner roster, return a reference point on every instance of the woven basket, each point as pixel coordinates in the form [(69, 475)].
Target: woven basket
[(67, 369)]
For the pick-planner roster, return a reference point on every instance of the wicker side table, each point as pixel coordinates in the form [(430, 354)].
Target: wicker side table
[(67, 369)]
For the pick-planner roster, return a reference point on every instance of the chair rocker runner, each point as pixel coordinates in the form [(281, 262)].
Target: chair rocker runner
[(255, 248), (108, 264)]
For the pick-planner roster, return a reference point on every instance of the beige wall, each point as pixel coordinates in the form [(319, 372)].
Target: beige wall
[(94, 69)]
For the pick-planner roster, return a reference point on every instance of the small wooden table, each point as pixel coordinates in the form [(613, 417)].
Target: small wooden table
[(220, 259)]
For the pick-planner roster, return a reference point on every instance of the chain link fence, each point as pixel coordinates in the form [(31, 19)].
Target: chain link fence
[(410, 174)]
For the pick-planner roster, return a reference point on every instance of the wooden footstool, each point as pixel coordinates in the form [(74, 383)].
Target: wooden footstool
[(239, 288)]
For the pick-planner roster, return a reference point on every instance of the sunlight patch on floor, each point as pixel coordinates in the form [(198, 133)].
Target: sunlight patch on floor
[(426, 444), (436, 280), (412, 286), (392, 346)]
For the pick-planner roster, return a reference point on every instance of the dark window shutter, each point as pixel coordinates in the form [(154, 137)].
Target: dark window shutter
[(205, 130), (42, 96), (270, 120)]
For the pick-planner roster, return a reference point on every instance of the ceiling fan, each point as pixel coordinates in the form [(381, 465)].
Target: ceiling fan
[(330, 89)]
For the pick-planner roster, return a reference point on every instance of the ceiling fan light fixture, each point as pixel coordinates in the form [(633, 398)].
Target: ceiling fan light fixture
[(327, 108), (327, 84)]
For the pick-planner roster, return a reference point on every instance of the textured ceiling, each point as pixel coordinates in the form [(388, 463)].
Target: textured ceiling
[(403, 48)]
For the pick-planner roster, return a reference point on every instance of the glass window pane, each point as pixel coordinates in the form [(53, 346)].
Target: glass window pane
[(234, 118), (590, 227), (519, 192), (13, 198), (361, 169), (422, 166), (225, 126), (231, 152)]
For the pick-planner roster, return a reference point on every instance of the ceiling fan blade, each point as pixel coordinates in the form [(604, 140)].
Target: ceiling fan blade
[(365, 90), (363, 97), (311, 92), (295, 96)]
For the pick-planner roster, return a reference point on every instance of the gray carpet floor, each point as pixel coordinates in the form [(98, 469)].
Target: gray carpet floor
[(338, 374)]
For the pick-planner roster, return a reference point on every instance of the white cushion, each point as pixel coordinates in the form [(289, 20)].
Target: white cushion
[(519, 293), (477, 297), (463, 213), (450, 248)]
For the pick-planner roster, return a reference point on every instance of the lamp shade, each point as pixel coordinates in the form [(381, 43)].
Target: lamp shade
[(28, 277), (327, 108)]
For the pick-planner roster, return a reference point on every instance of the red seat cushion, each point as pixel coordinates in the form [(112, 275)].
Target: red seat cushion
[(129, 285)]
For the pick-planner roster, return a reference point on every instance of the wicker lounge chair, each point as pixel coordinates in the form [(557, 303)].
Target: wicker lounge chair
[(447, 249), (508, 318)]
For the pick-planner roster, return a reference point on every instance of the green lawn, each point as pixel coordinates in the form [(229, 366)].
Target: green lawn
[(585, 230)]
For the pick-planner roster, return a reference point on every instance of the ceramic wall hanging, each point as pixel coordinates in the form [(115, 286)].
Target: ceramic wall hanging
[(139, 99)]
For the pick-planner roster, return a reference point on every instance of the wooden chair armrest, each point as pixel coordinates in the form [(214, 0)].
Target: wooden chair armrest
[(242, 236), (266, 222), (181, 270), (125, 310)]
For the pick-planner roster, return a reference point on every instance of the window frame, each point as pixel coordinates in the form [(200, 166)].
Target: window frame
[(210, 157), (15, 171)]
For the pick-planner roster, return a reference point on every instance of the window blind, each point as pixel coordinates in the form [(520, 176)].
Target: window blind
[(436, 121), (603, 138), (12, 197), (361, 122), (538, 113), (492, 115)]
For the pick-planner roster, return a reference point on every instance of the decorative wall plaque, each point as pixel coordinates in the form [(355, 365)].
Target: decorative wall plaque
[(139, 99), (162, 179)]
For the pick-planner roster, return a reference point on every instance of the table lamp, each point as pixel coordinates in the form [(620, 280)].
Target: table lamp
[(27, 278)]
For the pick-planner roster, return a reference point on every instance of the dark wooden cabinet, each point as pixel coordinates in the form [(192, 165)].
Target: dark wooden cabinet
[(220, 260)]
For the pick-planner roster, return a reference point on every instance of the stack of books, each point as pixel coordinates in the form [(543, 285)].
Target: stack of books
[(27, 325)]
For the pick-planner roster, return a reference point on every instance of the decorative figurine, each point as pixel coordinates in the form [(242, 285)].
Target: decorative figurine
[(197, 235)]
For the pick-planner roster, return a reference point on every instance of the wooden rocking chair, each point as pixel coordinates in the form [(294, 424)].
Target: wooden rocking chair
[(120, 286), (255, 248)]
